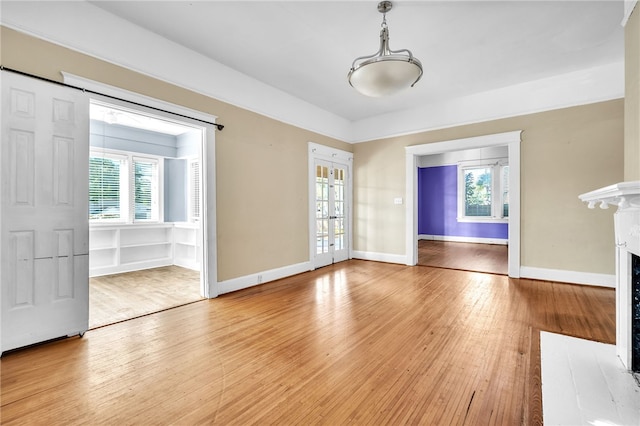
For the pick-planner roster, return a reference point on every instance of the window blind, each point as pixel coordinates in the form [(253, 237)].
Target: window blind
[(144, 189), (194, 192), (104, 188)]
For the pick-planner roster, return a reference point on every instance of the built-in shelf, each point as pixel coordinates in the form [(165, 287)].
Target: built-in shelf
[(187, 247), (116, 248), (164, 243)]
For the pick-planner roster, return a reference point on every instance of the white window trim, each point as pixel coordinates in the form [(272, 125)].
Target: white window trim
[(127, 201), (496, 164), (157, 216), (124, 189)]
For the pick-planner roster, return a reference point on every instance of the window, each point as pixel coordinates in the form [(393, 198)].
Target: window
[(105, 192), (123, 187), (145, 189), (483, 191)]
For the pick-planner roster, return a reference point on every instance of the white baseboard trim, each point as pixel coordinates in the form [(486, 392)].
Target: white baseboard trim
[(558, 275), (464, 239), (235, 284), (380, 257), (572, 277), (187, 264), (100, 271)]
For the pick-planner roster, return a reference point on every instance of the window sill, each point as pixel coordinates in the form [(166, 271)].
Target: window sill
[(483, 220)]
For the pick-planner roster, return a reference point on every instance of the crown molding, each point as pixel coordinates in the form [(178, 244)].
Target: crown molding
[(629, 5), (85, 28), (67, 24)]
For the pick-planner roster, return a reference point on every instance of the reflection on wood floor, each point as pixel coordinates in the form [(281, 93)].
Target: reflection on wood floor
[(490, 258), (119, 297), (357, 342)]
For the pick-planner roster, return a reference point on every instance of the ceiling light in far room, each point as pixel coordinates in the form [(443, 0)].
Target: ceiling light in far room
[(387, 71)]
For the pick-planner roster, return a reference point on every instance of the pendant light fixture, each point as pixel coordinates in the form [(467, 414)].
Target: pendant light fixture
[(387, 71)]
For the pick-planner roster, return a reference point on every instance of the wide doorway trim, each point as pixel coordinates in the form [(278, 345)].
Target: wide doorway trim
[(509, 139), (208, 180)]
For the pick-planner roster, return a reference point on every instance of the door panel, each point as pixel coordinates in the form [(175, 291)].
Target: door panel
[(44, 214), (339, 182), (324, 255), (331, 231)]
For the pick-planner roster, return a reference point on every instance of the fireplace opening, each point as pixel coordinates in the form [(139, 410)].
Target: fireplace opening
[(635, 313)]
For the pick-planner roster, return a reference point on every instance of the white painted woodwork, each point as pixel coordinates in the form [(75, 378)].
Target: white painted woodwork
[(206, 152), (246, 281), (509, 139), (626, 197), (475, 240), (187, 247), (450, 94), (44, 229), (629, 6), (333, 160), (121, 248), (125, 248)]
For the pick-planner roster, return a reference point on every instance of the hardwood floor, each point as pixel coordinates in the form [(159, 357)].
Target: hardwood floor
[(357, 342), (119, 297), (491, 258)]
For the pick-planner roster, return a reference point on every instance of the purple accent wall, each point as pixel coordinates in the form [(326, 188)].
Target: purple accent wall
[(438, 207)]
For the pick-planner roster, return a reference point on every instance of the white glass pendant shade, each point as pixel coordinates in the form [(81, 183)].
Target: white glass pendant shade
[(387, 71), (385, 75)]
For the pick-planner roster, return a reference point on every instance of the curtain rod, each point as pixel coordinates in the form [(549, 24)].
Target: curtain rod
[(3, 68)]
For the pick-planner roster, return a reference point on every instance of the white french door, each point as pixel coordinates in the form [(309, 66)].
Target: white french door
[(331, 213), (44, 230)]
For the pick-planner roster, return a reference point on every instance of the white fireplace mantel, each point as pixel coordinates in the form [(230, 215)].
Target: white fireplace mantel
[(623, 195), (626, 196)]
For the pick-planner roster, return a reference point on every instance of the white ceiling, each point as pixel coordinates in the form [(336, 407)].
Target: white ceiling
[(305, 48), (289, 59)]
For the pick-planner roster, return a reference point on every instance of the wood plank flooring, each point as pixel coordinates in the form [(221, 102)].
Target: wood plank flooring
[(119, 297), (357, 342), (491, 258)]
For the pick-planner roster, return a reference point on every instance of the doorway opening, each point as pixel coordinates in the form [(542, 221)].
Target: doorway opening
[(146, 228), (463, 210), (512, 142)]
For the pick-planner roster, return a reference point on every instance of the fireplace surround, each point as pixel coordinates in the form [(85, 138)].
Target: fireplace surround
[(626, 197)]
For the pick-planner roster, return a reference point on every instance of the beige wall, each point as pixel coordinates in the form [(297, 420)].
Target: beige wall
[(564, 153), (262, 173), (632, 97), (261, 164)]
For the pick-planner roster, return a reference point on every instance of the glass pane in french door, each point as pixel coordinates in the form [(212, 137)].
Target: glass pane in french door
[(339, 181), (322, 209)]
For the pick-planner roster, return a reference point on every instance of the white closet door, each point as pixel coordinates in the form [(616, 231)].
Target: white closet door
[(44, 230)]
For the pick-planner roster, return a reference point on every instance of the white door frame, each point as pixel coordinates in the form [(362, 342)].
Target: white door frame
[(509, 139), (209, 281), (338, 156)]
